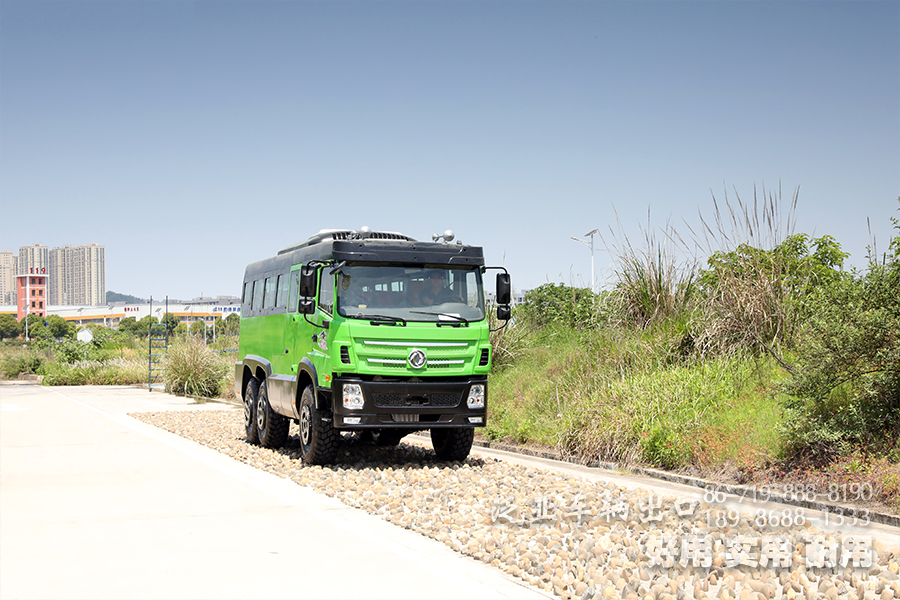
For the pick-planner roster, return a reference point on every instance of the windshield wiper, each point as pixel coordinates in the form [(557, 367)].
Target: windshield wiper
[(383, 319), (458, 320)]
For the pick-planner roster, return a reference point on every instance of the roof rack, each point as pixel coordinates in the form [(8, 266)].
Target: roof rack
[(347, 234)]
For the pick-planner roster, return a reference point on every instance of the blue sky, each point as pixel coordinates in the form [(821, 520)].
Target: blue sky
[(191, 138)]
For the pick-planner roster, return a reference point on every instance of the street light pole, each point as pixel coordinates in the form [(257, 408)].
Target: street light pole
[(591, 246)]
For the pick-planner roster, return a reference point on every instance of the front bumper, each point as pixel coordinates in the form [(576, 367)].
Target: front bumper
[(409, 405)]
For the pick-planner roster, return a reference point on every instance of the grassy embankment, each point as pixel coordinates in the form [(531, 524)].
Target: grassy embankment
[(767, 362)]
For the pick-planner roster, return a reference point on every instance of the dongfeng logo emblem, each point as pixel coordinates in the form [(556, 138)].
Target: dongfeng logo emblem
[(416, 358)]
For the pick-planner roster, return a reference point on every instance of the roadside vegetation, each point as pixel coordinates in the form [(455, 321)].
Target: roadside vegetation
[(768, 361), (765, 362), (198, 361)]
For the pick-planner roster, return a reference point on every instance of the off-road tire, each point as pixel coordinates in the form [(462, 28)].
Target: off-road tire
[(318, 438), (251, 392), (452, 444), (272, 427)]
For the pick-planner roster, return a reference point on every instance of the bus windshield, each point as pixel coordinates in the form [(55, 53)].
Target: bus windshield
[(410, 293)]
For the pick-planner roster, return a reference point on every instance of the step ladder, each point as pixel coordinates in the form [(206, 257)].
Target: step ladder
[(159, 346)]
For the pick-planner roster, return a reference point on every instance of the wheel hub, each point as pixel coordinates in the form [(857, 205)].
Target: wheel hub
[(248, 410), (305, 425), (261, 413)]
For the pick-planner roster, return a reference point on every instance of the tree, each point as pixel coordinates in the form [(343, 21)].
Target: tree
[(198, 328), (217, 327), (9, 327), (36, 328), (171, 322), (59, 327), (232, 323), (142, 328), (846, 385), (128, 326)]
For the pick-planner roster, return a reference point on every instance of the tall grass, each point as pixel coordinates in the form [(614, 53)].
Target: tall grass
[(114, 371), (192, 368), (656, 281)]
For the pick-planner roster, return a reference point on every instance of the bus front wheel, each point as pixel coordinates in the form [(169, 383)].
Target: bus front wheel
[(452, 444), (318, 439)]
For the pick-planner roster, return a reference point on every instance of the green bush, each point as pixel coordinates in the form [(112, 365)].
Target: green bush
[(559, 304), (192, 368), (756, 298), (16, 361), (846, 388)]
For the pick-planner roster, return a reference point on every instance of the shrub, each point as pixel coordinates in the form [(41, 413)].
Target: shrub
[(757, 298), (846, 388), (559, 304), (14, 362), (192, 368)]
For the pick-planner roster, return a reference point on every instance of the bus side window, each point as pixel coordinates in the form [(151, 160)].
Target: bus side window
[(279, 293), (257, 295), (294, 295), (326, 292), (270, 293), (246, 299)]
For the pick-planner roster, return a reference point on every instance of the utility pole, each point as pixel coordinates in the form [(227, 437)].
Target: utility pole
[(591, 246)]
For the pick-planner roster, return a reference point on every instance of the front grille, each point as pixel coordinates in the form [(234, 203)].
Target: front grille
[(380, 355), (345, 355), (411, 418), (390, 400)]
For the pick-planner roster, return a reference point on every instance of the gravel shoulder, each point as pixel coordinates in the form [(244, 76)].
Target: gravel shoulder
[(577, 536)]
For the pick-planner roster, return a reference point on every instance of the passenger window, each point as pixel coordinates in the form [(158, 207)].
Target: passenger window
[(326, 292), (270, 292), (279, 293), (246, 299), (294, 296), (257, 295)]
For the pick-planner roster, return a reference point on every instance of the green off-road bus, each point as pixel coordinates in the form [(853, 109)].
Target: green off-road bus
[(371, 332)]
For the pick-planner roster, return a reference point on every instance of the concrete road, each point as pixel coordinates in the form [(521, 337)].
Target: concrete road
[(94, 504)]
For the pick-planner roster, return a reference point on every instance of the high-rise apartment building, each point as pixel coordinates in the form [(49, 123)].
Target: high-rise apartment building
[(62, 277), (78, 275), (33, 260), (8, 264), (90, 275), (75, 275)]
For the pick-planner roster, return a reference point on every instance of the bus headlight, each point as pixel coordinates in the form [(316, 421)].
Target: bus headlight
[(353, 396), (476, 396)]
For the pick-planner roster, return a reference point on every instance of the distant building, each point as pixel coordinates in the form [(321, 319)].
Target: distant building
[(33, 260), (32, 296), (8, 265), (78, 275)]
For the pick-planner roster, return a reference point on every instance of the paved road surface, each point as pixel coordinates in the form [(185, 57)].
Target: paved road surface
[(94, 504)]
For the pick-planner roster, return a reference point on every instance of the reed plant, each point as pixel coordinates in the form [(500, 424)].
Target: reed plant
[(193, 369)]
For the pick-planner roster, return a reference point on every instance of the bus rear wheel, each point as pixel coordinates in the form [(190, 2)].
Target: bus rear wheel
[(318, 439), (251, 392), (453, 443), (272, 427)]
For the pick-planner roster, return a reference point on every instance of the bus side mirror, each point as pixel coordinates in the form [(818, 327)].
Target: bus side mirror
[(306, 306), (503, 313), (503, 289), (308, 281)]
